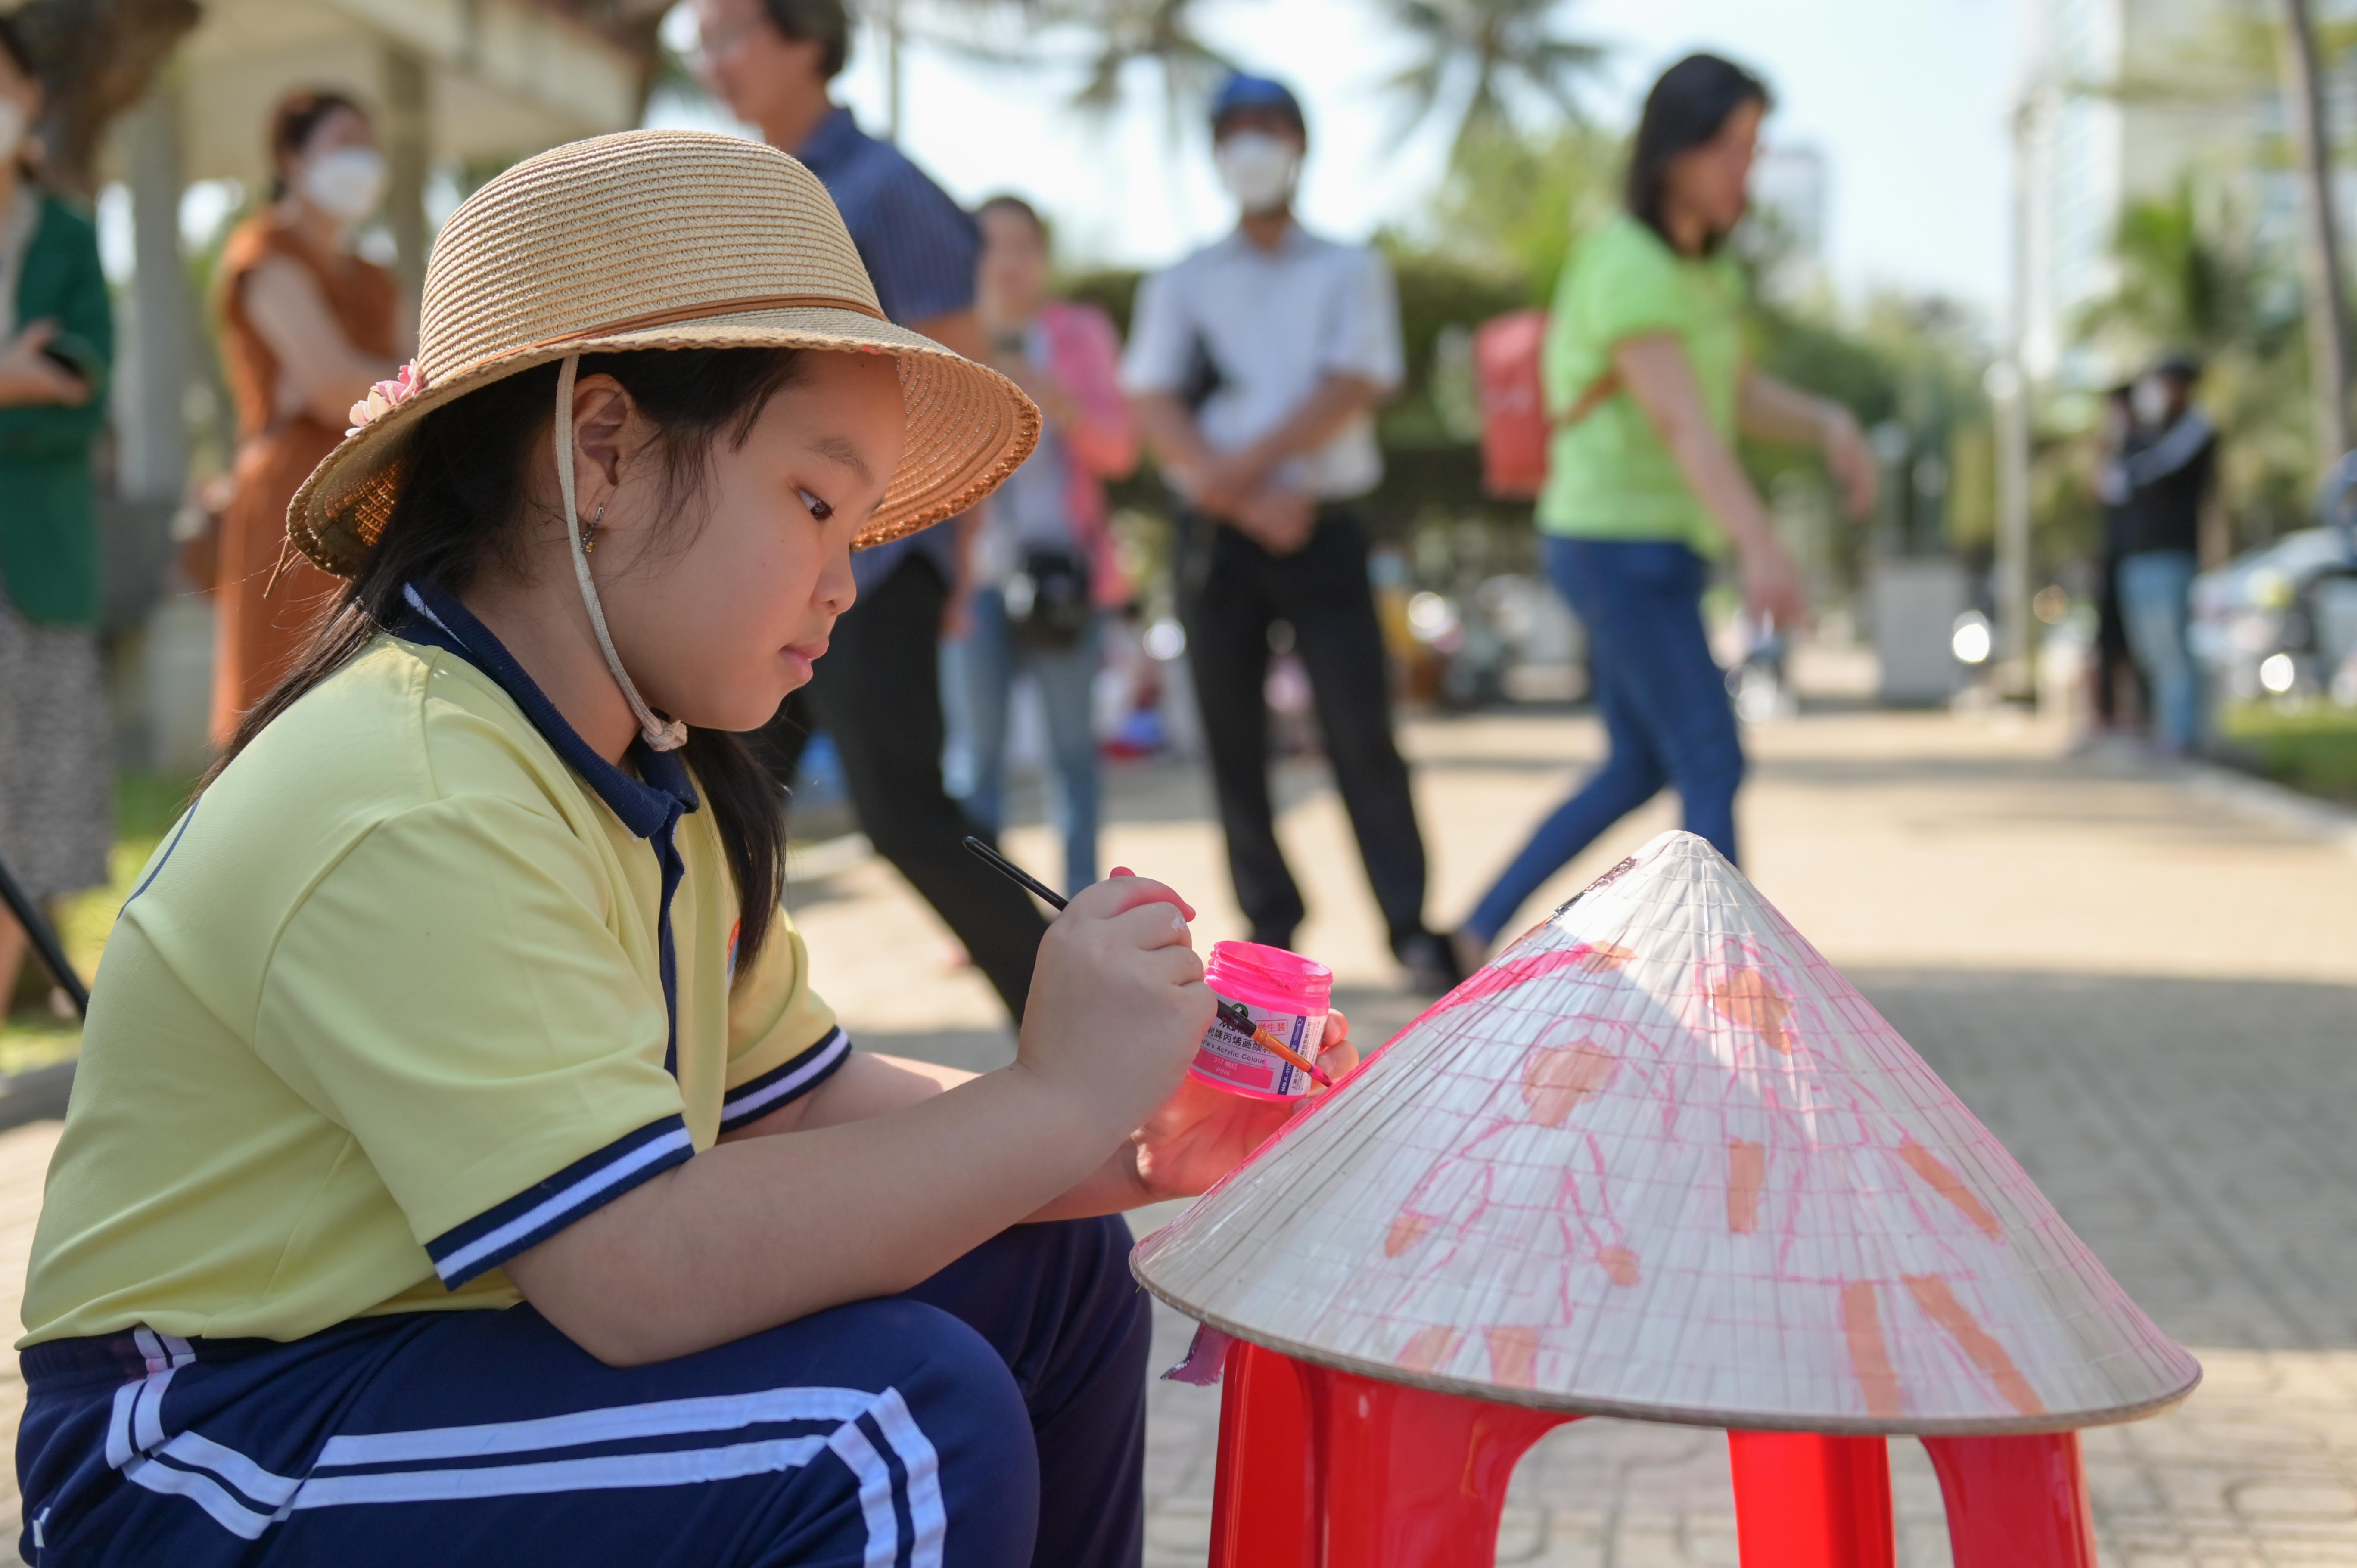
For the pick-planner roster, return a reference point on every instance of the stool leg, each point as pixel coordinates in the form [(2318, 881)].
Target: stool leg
[(1806, 1500), (1263, 1494), (1410, 1478), (2015, 1502)]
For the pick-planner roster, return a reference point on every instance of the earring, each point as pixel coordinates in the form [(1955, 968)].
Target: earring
[(589, 534)]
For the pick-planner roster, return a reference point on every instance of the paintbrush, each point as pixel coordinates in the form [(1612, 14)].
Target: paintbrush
[(1233, 1012), (1013, 872), (1237, 1018)]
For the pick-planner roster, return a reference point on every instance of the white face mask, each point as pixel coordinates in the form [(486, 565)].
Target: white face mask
[(13, 126), (348, 183), (1257, 168), (2151, 400)]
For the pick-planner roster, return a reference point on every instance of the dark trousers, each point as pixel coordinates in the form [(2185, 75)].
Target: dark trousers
[(1663, 700), (879, 692), (1229, 591), (992, 1417)]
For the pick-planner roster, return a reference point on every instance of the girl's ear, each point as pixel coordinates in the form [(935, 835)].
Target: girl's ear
[(603, 412)]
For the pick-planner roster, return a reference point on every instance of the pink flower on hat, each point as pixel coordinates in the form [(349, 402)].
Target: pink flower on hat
[(386, 395)]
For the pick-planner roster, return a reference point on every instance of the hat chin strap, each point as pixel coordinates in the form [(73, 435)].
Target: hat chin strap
[(658, 734)]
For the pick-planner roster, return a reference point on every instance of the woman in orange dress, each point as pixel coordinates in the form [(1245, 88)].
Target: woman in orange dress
[(307, 327)]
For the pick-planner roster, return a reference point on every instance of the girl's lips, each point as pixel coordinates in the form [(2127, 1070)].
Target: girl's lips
[(803, 656)]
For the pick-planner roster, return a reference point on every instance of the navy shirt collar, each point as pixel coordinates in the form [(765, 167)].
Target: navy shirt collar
[(833, 139), (645, 804)]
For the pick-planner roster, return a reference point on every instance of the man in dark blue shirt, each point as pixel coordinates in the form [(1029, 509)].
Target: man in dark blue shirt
[(878, 691)]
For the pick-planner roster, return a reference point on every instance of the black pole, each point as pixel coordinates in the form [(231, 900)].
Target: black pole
[(45, 941)]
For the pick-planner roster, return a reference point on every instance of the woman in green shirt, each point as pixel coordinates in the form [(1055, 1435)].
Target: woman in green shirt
[(1646, 375), (55, 336)]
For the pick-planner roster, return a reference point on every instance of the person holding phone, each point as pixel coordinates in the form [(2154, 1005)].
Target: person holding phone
[(57, 338)]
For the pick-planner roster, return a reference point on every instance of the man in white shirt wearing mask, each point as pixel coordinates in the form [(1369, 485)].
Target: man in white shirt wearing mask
[(1256, 365)]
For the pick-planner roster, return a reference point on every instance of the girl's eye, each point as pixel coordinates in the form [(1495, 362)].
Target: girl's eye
[(819, 509)]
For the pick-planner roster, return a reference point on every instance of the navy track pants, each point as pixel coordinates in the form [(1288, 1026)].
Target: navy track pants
[(992, 1417)]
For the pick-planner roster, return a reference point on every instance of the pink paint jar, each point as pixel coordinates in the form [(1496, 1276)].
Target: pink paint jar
[(1281, 992)]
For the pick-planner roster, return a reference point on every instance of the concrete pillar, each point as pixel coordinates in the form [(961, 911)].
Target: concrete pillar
[(152, 356), (407, 129), (163, 646)]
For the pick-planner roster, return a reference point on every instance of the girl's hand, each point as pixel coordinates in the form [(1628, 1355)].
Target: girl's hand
[(1201, 1133), (1117, 1006)]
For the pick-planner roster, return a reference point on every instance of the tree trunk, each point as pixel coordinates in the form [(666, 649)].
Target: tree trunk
[(98, 57), (2328, 307)]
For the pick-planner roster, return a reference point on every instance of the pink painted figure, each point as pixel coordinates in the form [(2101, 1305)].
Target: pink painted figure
[(1660, 1159)]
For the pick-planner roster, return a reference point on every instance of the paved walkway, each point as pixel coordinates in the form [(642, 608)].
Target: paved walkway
[(2153, 1003)]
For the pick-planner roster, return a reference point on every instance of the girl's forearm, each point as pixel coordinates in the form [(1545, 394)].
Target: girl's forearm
[(760, 1231), (1114, 1187)]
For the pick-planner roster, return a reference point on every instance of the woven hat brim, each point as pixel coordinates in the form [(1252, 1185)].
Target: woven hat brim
[(968, 427)]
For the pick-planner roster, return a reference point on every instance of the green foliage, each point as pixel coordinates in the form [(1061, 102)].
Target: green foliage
[(1506, 46), (2310, 745), (1512, 203), (1437, 296)]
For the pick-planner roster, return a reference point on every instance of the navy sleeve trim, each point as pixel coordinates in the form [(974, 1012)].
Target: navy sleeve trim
[(541, 1210), (783, 1085)]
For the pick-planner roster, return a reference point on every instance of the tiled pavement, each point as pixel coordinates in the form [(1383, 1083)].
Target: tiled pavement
[(2153, 1003)]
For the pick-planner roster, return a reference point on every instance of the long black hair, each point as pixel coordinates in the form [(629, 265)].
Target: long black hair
[(464, 508), (1688, 106)]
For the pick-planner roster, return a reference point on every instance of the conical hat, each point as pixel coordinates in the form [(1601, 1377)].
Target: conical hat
[(1659, 1160)]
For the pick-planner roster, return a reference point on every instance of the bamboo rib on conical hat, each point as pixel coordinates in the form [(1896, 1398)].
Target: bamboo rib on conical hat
[(1659, 1159)]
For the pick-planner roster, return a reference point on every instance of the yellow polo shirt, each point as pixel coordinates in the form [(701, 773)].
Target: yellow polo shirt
[(389, 1007)]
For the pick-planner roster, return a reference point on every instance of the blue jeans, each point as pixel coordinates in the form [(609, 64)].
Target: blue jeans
[(1663, 700), (2156, 587), (983, 666)]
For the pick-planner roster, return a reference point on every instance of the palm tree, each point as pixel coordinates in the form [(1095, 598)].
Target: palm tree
[(1161, 31), (1110, 36), (1504, 45), (98, 57), (2320, 246)]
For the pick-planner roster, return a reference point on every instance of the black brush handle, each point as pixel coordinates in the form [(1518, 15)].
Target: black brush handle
[(1013, 872)]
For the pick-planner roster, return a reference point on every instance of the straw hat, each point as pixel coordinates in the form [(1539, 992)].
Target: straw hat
[(659, 239), (1661, 1160)]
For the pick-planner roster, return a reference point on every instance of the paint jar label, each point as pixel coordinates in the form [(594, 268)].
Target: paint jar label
[(1229, 1059)]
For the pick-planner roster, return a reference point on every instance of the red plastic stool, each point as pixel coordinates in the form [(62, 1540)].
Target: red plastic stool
[(1326, 1469)]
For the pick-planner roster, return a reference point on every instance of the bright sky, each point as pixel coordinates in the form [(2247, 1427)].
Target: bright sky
[(1905, 99)]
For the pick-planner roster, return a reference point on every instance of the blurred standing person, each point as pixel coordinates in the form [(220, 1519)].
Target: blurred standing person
[(1257, 364), (772, 62), (2112, 664), (2169, 463), (1644, 372), (1044, 567), (306, 329), (57, 342)]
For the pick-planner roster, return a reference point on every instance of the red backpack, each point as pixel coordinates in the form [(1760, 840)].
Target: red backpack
[(1514, 426)]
